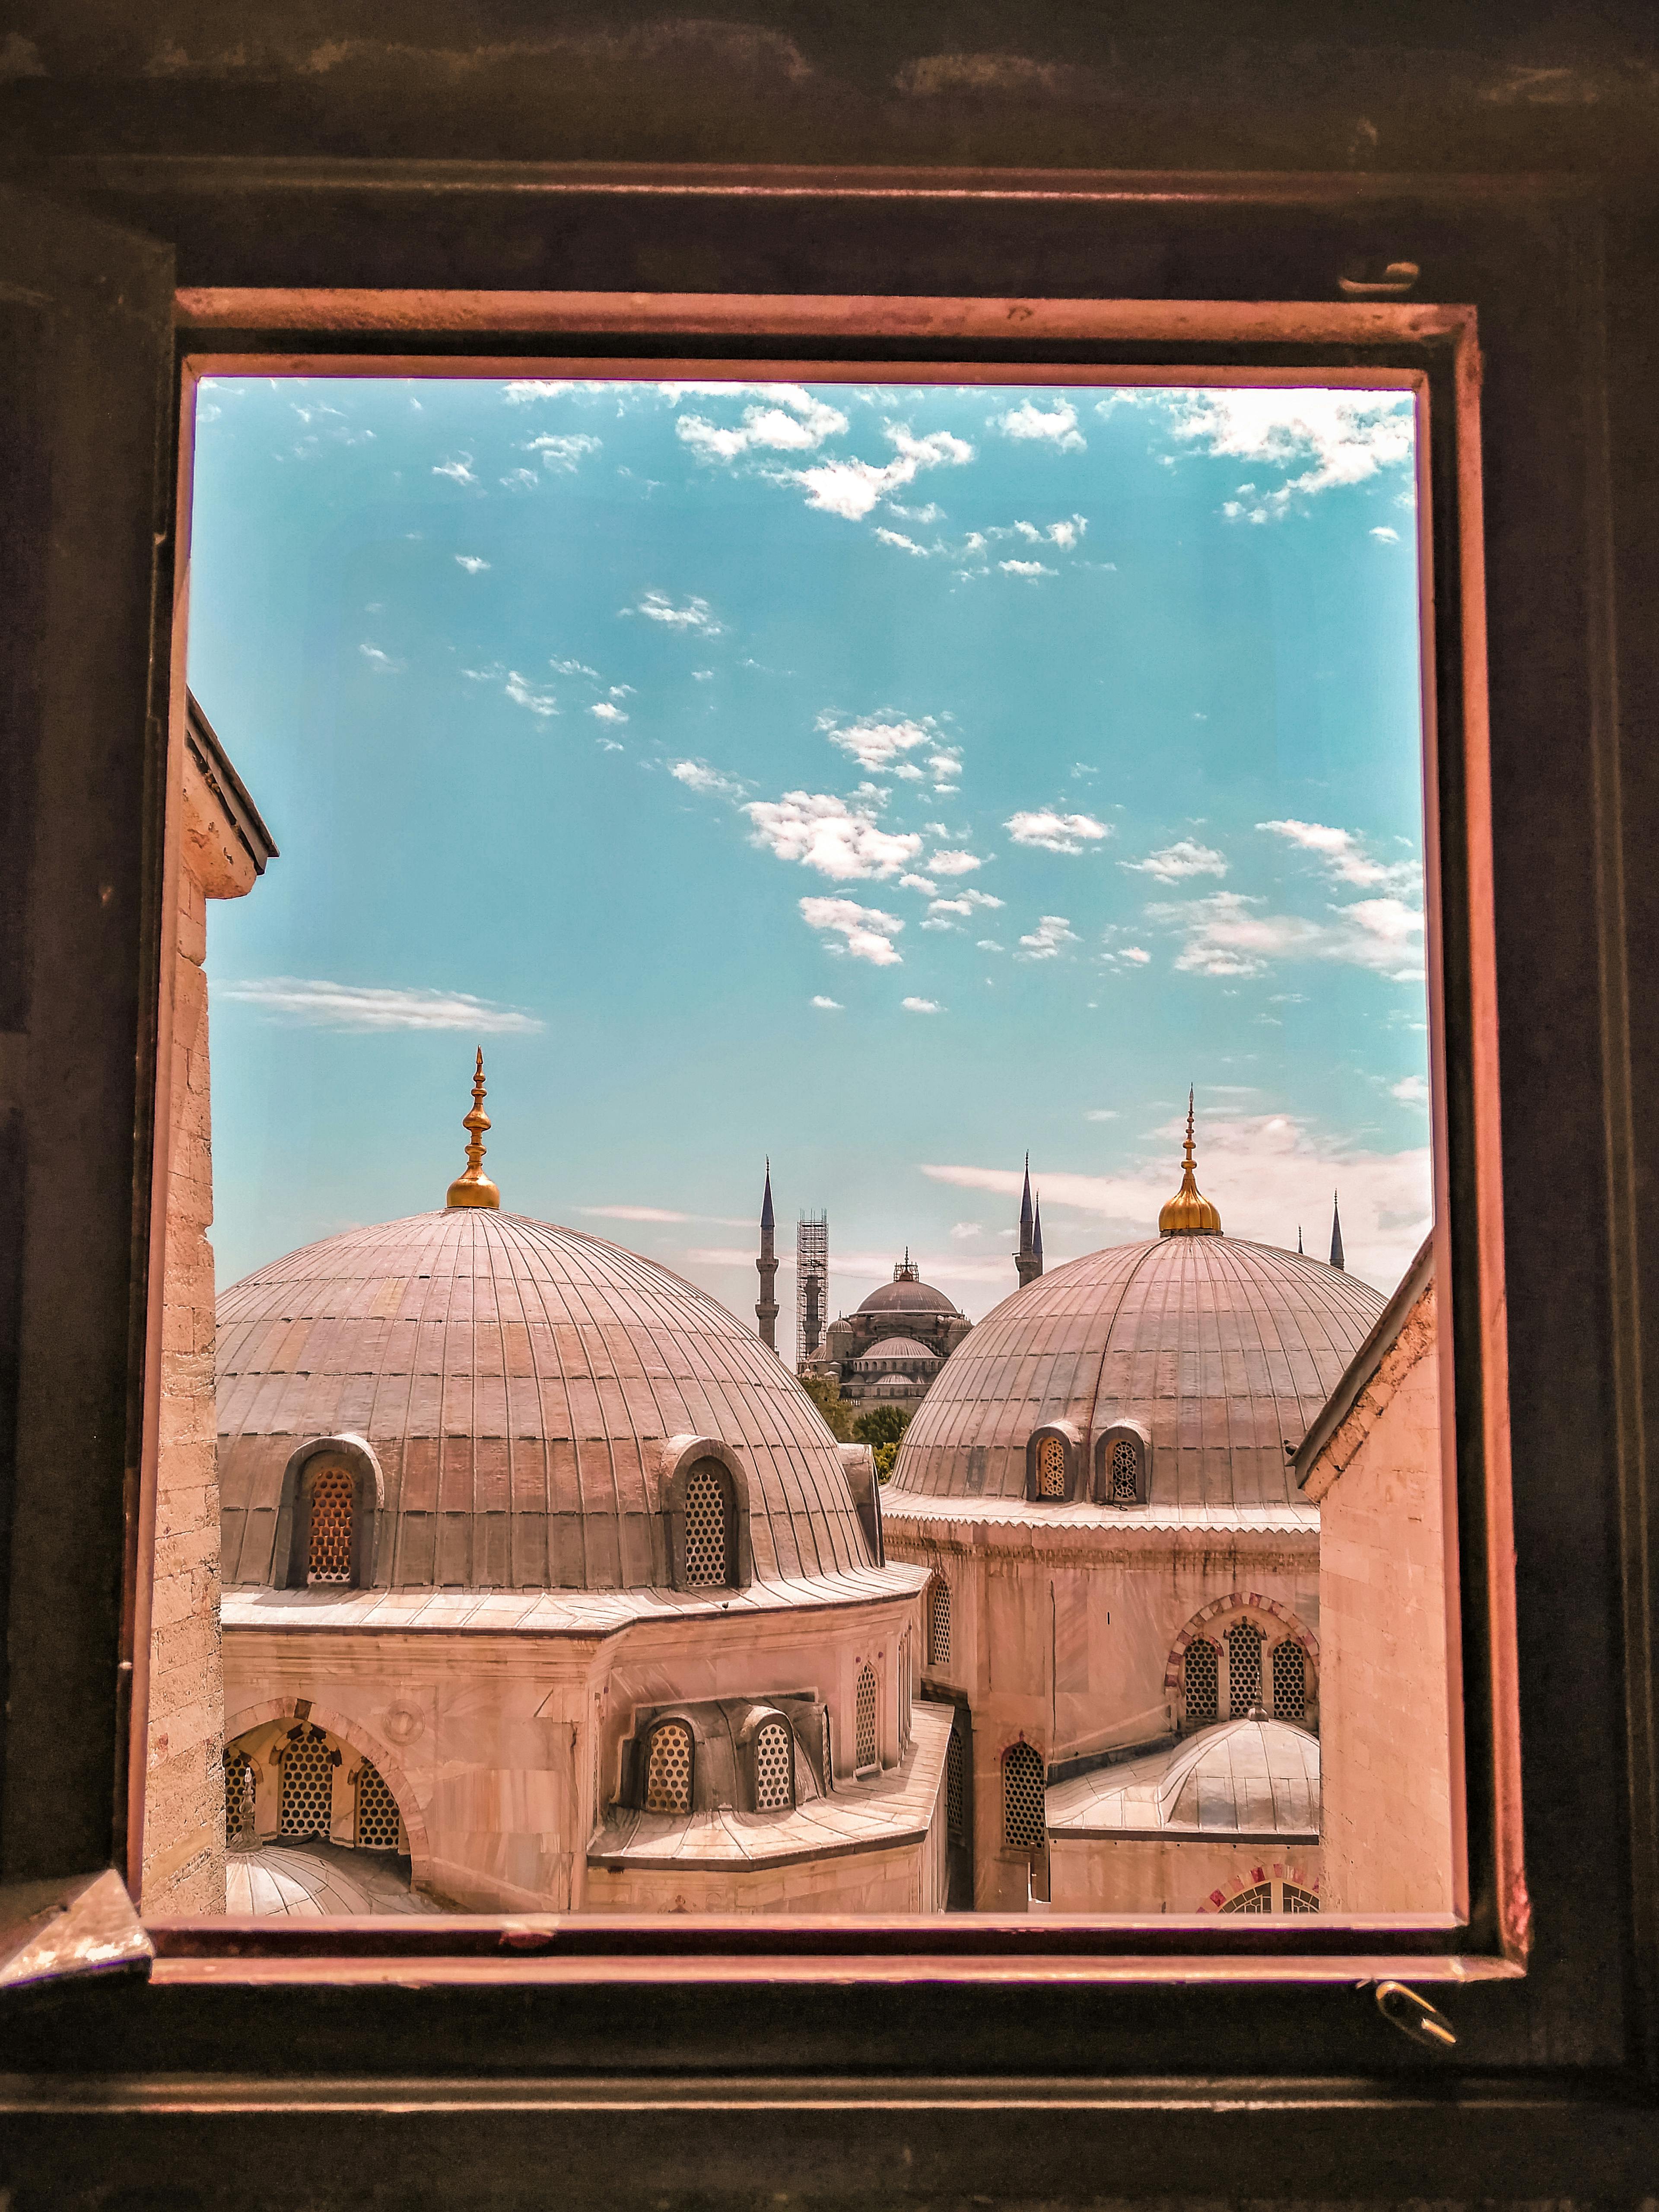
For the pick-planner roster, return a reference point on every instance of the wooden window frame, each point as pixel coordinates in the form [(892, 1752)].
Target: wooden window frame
[(1577, 2033)]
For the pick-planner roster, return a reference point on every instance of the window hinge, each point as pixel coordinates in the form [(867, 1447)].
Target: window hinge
[(1415, 2016)]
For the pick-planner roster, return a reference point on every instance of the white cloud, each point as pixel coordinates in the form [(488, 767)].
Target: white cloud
[(922, 1006), (868, 932), (1045, 941), (1410, 1090), (1137, 953), (1228, 934), (1184, 858), (472, 563), (897, 539), (877, 741), (1056, 425), (964, 1229), (988, 944), (381, 663), (1056, 833), (634, 1213), (964, 902), (1331, 437), (459, 471), (953, 864), (780, 418), (851, 488), (362, 1006), (523, 388), (1101, 1114), (1067, 534), (606, 712), (563, 453), (822, 832), (1025, 569), (913, 883), (573, 668), (694, 615), (697, 775), (523, 693), (1343, 857), (1266, 1173), (1385, 536), (828, 1005)]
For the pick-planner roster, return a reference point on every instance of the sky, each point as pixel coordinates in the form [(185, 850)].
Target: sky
[(892, 781)]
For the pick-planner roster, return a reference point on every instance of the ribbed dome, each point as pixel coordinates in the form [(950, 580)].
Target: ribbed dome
[(891, 1349), (516, 1383), (1225, 1350), (1249, 1776)]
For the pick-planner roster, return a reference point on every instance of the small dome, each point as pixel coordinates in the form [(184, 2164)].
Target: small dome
[(892, 1349), (517, 1384), (1257, 1778)]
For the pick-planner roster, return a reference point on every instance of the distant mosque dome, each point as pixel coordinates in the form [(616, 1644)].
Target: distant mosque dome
[(906, 1294), (514, 1405), (1175, 1373), (1250, 1777)]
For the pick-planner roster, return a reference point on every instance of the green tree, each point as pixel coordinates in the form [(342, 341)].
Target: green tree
[(825, 1394), (882, 1425), (885, 1455)]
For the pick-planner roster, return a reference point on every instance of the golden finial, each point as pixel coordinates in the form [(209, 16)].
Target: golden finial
[(1189, 1213), (474, 1187)]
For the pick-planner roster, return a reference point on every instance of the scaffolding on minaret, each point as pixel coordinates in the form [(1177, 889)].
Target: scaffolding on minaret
[(811, 1282)]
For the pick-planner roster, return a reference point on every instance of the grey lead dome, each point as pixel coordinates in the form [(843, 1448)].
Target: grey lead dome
[(517, 1382)]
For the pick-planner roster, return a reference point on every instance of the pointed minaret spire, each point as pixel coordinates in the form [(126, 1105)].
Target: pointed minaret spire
[(1189, 1213), (473, 1187), (1028, 1260), (1299, 1253), (766, 1306), (1036, 1233), (1337, 1260)]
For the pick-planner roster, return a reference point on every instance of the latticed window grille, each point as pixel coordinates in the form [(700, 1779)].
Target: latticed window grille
[(1203, 1674), (1244, 1667), (1024, 1807), (1050, 1468), (328, 1559), (1123, 1473), (956, 1789), (1259, 1897), (1290, 1670), (774, 1767), (239, 1798), (939, 1624), (668, 1769), (866, 1746), (706, 1563), (307, 1792), (377, 1811), (1298, 1900)]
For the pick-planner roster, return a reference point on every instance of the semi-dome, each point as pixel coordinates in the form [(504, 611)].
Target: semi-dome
[(1208, 1355), (891, 1350), (521, 1397)]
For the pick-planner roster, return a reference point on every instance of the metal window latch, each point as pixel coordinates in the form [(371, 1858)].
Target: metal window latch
[(1414, 2017), (1377, 279)]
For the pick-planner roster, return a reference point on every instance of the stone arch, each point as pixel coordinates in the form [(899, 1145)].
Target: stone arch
[(1293, 1870), (1211, 1620), (366, 1744)]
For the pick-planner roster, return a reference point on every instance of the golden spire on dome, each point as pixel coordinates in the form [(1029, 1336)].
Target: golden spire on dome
[(1189, 1213), (474, 1187)]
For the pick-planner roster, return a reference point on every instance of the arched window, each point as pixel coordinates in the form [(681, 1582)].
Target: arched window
[(328, 1558), (1273, 1897), (307, 1792), (668, 1769), (867, 1754), (1124, 1470), (1298, 1899), (1024, 1806), (1050, 1468), (1244, 1667), (1202, 1673), (1259, 1897), (377, 1811), (774, 1767), (1290, 1672), (956, 1792), (707, 1526), (939, 1624), (239, 1798)]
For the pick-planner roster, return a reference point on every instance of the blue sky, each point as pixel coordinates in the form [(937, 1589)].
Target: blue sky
[(888, 779)]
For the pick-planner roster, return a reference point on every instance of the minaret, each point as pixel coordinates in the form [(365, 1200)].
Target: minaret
[(1036, 1233), (1028, 1260), (1337, 1260), (1300, 1253), (473, 1187), (766, 1306), (1189, 1213)]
